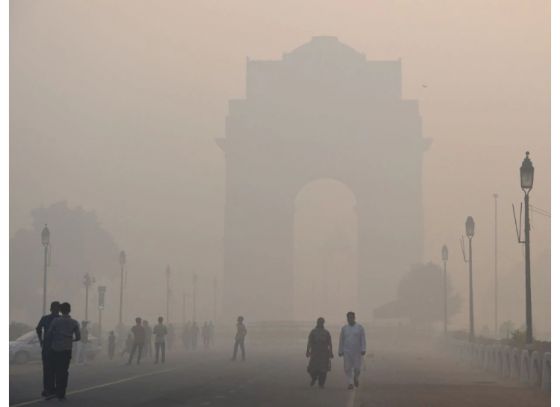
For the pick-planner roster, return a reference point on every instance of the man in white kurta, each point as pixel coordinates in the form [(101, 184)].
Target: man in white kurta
[(352, 346)]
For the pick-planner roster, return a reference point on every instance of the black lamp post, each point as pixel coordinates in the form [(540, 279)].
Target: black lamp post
[(195, 280), (88, 281), (100, 305), (526, 173), (45, 240), (122, 262), (168, 290), (444, 258), (469, 229)]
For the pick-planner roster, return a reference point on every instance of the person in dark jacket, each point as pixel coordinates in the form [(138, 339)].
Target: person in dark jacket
[(48, 365), (319, 351)]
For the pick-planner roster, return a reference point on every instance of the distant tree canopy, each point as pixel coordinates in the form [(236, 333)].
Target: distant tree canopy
[(79, 245), (420, 297)]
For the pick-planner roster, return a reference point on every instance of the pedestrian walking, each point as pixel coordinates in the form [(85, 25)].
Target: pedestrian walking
[(160, 331), (139, 334), (148, 344), (62, 332), (48, 366), (319, 351), (352, 346), (239, 339), (111, 345)]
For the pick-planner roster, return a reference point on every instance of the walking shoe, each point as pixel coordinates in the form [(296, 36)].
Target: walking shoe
[(350, 387), (313, 380)]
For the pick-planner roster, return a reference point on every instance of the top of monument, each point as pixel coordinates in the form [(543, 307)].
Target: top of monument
[(321, 46)]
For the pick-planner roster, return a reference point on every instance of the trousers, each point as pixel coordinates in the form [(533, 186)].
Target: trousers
[(48, 369), (61, 361), (160, 347), (239, 343), (352, 366), (136, 347)]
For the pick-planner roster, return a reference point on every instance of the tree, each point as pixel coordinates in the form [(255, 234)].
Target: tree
[(79, 245), (420, 297)]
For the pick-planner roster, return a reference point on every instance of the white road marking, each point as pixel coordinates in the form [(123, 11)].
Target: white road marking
[(99, 386)]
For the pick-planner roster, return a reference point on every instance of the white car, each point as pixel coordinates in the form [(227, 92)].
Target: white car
[(26, 348)]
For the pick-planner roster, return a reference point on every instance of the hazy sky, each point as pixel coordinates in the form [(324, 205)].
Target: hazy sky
[(115, 106)]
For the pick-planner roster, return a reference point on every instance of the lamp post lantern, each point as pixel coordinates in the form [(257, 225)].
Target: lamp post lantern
[(469, 229), (527, 173), (444, 258), (45, 240), (122, 262)]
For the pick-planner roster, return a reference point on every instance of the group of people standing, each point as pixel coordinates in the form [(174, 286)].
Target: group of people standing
[(139, 341)]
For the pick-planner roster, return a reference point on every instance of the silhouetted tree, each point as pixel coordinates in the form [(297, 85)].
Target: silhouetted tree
[(79, 245), (420, 297)]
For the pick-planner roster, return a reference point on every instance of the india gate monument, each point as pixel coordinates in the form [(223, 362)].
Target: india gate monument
[(322, 111)]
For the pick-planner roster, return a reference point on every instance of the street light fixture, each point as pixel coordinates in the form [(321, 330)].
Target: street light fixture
[(469, 230), (526, 173), (444, 258), (45, 240)]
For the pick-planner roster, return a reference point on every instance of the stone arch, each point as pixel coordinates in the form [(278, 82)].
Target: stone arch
[(323, 110)]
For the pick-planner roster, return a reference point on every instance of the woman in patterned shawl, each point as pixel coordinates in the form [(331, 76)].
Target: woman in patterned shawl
[(319, 352)]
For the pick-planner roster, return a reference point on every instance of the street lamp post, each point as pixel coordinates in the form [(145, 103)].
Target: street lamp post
[(88, 281), (469, 227), (100, 305), (526, 173), (168, 289), (444, 258), (195, 279), (45, 240), (215, 298), (496, 265), (184, 314), (122, 262)]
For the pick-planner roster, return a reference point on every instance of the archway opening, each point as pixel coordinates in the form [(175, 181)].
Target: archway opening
[(325, 251)]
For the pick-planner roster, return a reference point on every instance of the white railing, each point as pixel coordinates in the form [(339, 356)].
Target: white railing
[(531, 368)]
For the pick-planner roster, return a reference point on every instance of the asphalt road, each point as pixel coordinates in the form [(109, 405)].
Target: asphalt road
[(277, 378)]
